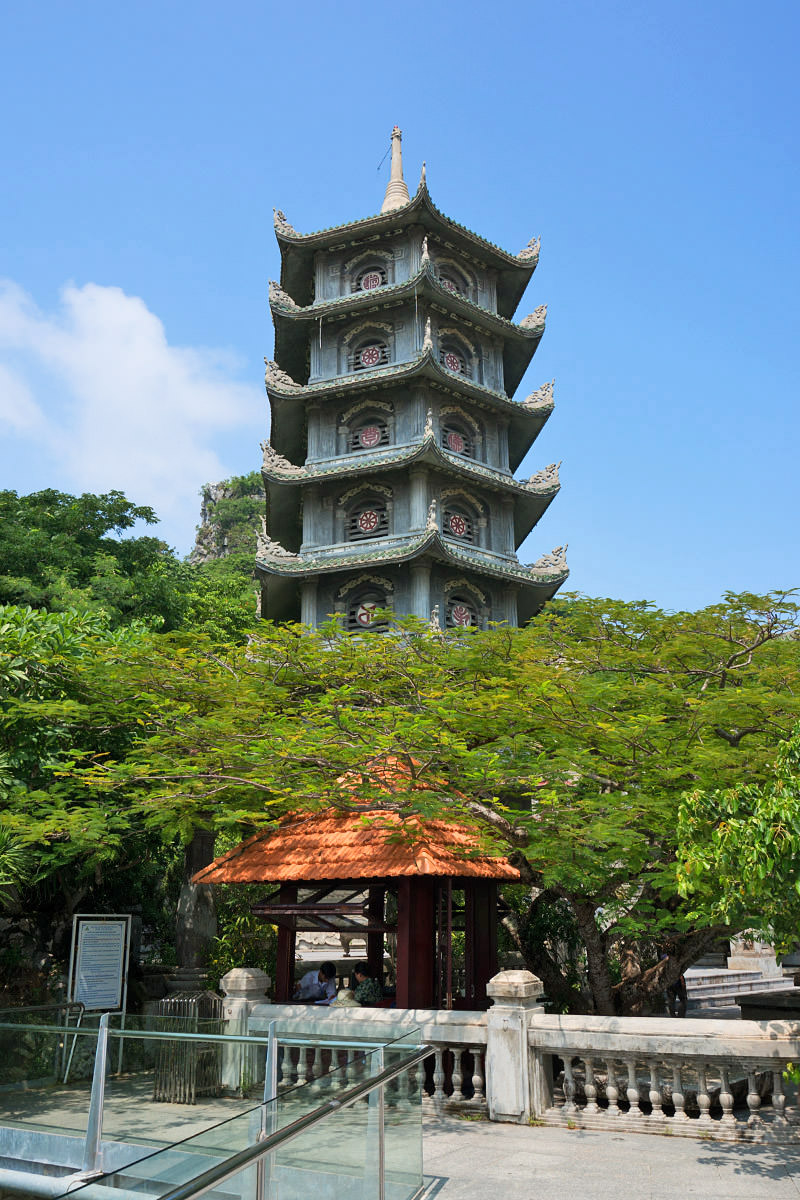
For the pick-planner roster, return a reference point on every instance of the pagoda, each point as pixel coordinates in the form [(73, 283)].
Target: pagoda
[(394, 432)]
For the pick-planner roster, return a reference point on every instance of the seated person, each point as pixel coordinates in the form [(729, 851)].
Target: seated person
[(367, 990), (317, 987)]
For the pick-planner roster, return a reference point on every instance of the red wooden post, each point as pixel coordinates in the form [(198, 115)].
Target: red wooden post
[(284, 971), (416, 942), (375, 940), (481, 936)]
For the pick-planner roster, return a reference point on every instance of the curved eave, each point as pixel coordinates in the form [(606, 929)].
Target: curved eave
[(298, 249), (546, 583), (292, 333), (283, 488), (288, 404)]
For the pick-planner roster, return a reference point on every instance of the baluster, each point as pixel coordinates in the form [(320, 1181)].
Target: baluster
[(726, 1097), (479, 1096), (655, 1091), (457, 1077), (632, 1089), (282, 1051), (678, 1098), (590, 1087), (351, 1070), (438, 1077), (317, 1067), (569, 1086), (612, 1091), (753, 1099), (302, 1065), (703, 1098), (778, 1097), (403, 1086)]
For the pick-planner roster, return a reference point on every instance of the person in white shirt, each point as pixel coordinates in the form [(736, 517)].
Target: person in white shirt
[(317, 987)]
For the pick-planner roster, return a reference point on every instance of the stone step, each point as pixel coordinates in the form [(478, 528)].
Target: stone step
[(714, 1012), (740, 987)]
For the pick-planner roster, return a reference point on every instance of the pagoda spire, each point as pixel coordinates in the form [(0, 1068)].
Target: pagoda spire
[(396, 190)]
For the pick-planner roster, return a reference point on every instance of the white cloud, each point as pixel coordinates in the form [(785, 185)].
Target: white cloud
[(97, 386)]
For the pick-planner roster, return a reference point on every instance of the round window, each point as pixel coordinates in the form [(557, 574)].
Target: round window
[(452, 361), (461, 614), (370, 280), (365, 613), (455, 442), (368, 520), (369, 356), (369, 436), (458, 525)]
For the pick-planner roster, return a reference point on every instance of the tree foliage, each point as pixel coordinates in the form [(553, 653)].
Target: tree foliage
[(569, 745)]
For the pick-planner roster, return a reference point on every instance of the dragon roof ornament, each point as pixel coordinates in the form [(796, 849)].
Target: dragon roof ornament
[(428, 431), (542, 398), (268, 548), (277, 376), (278, 296), (536, 319), (425, 258), (556, 560), (280, 222), (546, 479), (531, 252), (276, 462), (427, 341)]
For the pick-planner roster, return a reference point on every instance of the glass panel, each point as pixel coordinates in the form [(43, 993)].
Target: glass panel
[(46, 1072)]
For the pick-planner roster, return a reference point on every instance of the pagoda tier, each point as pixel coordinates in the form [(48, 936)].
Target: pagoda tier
[(424, 290), (511, 273), (528, 499), (394, 432), (290, 401)]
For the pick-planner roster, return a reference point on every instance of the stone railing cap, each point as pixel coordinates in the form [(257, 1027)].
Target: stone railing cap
[(243, 981), (514, 985)]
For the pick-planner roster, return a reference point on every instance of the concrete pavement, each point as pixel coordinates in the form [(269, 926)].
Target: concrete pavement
[(466, 1160)]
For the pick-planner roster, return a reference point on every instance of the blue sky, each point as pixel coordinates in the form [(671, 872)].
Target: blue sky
[(652, 146)]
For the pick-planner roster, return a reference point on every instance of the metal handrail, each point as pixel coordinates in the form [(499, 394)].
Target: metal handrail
[(253, 1154), (325, 1042)]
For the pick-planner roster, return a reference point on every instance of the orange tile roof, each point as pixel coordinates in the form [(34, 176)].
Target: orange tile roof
[(372, 843)]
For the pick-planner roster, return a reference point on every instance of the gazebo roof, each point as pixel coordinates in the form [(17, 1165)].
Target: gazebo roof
[(368, 843)]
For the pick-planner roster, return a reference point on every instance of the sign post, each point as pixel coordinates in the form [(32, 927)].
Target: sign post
[(98, 965)]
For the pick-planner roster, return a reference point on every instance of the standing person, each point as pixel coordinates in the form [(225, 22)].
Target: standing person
[(368, 991), (317, 987)]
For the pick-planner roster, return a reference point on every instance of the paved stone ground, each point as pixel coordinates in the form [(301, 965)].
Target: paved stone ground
[(467, 1160)]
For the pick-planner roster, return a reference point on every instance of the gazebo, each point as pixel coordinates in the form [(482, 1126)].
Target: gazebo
[(340, 870)]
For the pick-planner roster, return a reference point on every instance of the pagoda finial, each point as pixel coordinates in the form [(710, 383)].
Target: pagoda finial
[(396, 191)]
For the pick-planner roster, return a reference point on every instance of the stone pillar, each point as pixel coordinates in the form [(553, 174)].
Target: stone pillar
[(244, 988), (421, 590), (308, 603), (753, 955), (512, 1088), (418, 501)]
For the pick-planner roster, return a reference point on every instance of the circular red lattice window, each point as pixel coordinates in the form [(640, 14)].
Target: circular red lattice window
[(369, 356), (369, 436), (455, 442), (365, 613), (368, 520), (461, 614), (452, 361), (371, 280), (458, 525), (448, 284)]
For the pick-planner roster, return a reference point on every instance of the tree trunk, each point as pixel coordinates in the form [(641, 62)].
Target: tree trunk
[(596, 959), (196, 918)]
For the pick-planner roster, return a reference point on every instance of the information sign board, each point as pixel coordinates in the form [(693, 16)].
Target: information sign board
[(101, 953)]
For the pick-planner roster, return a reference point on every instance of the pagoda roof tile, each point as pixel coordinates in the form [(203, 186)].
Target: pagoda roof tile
[(363, 843)]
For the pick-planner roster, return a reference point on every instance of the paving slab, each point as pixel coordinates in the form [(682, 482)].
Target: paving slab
[(466, 1160)]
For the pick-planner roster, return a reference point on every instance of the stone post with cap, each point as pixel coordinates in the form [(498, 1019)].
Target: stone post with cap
[(514, 1089)]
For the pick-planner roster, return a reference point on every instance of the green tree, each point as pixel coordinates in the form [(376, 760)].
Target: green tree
[(569, 745)]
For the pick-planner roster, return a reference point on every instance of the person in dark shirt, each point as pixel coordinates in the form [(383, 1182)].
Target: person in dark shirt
[(368, 992)]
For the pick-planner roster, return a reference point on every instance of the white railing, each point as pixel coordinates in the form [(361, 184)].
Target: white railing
[(712, 1079), (453, 1076)]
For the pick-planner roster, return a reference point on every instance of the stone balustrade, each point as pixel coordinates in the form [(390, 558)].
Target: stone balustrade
[(701, 1078)]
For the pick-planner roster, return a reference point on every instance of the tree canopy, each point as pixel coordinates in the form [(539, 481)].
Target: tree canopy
[(574, 745)]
